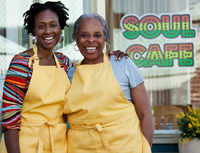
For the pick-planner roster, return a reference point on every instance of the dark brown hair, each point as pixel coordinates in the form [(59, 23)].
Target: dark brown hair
[(57, 7)]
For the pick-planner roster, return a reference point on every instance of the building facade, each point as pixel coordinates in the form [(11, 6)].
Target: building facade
[(161, 36)]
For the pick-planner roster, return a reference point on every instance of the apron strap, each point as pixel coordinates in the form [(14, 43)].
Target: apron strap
[(36, 58), (76, 63), (56, 60), (105, 58)]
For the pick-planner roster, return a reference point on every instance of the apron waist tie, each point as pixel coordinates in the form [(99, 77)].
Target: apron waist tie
[(41, 136), (51, 126), (100, 129)]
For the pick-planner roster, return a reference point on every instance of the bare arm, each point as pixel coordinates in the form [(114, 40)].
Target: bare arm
[(12, 140), (143, 108)]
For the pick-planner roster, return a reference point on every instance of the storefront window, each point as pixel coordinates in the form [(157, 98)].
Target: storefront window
[(166, 48), (162, 39), (14, 39)]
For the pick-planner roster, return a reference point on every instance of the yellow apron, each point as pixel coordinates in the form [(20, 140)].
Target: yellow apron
[(101, 119), (42, 127)]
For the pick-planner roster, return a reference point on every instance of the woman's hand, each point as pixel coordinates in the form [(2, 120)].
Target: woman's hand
[(119, 55)]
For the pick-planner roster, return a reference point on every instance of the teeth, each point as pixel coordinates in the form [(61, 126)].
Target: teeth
[(48, 38), (90, 48)]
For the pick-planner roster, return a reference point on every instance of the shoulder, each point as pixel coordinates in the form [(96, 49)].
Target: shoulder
[(118, 67), (19, 66), (21, 58), (63, 60), (61, 57), (127, 68), (123, 62)]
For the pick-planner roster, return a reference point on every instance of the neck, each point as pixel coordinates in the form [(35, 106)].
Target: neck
[(93, 61), (45, 53)]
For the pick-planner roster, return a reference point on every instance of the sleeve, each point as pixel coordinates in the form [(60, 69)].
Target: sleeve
[(70, 73), (65, 63), (133, 73), (14, 92), (69, 68)]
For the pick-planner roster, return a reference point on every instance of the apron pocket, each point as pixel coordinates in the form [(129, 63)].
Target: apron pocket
[(82, 141), (53, 136), (124, 135)]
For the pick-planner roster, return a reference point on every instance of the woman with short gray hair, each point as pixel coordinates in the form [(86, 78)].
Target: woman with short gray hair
[(107, 105)]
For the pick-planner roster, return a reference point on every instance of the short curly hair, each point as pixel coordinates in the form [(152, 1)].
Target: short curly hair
[(57, 7), (89, 16)]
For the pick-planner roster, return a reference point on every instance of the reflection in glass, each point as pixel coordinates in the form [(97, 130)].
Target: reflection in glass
[(166, 86)]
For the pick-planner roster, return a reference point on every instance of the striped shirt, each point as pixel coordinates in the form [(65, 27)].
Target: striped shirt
[(15, 87)]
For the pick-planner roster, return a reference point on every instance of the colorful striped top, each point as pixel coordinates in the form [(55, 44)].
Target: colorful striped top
[(15, 87)]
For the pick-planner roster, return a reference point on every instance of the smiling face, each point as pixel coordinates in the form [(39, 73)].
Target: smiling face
[(47, 29), (90, 40)]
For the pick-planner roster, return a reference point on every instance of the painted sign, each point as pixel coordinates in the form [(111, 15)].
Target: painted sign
[(150, 27)]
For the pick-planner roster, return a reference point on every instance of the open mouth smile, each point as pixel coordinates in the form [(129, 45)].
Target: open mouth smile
[(91, 49), (49, 39)]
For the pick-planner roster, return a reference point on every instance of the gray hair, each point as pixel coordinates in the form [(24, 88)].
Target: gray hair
[(89, 16)]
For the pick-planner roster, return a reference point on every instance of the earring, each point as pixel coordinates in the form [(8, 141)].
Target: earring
[(107, 46), (75, 48), (34, 40), (61, 38)]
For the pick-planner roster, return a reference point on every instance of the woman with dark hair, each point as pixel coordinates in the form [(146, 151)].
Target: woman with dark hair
[(35, 85)]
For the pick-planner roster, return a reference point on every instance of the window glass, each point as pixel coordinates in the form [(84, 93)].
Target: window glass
[(139, 27), (14, 38)]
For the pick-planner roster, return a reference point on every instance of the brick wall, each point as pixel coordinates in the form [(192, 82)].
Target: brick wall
[(195, 89)]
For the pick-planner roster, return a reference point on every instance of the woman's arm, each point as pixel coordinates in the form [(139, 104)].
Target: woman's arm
[(13, 94), (142, 104), (12, 140)]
